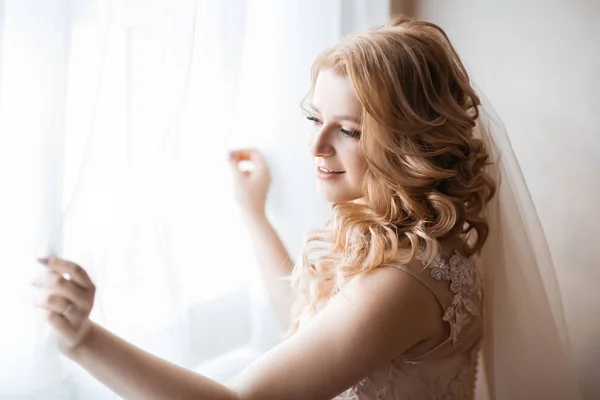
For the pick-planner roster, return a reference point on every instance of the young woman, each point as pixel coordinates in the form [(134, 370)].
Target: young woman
[(386, 300)]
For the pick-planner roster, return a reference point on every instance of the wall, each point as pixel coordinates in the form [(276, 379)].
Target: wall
[(539, 63)]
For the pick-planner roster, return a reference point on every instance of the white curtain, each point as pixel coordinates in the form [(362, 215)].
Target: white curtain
[(116, 117)]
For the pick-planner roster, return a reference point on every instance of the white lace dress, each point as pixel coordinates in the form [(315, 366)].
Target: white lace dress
[(448, 371)]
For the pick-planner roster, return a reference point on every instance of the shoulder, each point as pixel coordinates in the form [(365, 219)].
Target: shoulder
[(394, 302), (397, 286)]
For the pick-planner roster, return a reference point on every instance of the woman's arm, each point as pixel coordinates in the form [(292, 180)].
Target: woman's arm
[(375, 318), (274, 263), (251, 188), (135, 374)]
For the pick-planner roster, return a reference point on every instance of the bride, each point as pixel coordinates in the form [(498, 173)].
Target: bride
[(388, 300)]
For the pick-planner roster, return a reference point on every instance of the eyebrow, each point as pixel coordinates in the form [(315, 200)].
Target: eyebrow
[(339, 117)]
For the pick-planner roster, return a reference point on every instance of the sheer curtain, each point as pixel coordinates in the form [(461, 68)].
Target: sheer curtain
[(116, 118)]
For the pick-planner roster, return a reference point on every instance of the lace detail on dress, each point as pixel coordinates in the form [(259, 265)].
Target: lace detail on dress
[(464, 283), (451, 377), (400, 383)]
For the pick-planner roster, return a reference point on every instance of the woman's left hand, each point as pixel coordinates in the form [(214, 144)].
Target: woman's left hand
[(67, 293)]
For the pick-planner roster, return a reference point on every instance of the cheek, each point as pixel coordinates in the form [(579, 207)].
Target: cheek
[(357, 167), (358, 164)]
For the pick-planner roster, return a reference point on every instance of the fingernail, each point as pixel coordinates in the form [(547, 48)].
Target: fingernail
[(231, 155), (43, 261)]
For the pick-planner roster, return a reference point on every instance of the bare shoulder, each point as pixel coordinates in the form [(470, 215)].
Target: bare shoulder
[(391, 285), (395, 301), (388, 279)]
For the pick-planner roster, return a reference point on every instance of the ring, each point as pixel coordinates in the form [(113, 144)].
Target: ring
[(67, 310)]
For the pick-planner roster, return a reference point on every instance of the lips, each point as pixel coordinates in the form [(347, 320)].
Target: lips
[(329, 170)]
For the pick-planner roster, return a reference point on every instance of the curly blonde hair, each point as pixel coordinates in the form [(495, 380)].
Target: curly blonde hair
[(425, 181)]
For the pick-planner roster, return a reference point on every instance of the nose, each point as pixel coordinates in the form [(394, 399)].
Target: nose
[(320, 143)]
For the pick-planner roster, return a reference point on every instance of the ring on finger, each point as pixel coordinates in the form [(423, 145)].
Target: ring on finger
[(67, 309)]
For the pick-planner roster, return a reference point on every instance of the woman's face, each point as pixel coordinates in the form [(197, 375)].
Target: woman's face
[(335, 113)]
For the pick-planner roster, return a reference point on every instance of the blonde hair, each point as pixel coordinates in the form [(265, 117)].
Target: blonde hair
[(425, 181)]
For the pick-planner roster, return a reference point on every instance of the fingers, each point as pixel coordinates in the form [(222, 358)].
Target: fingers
[(74, 271), (253, 155), (258, 159), (66, 295), (242, 154), (54, 303), (70, 291), (61, 324), (59, 305), (258, 163), (234, 159)]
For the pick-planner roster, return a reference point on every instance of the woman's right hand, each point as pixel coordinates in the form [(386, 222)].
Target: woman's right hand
[(250, 187)]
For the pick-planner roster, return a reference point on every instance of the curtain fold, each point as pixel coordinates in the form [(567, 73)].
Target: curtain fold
[(33, 58), (116, 118)]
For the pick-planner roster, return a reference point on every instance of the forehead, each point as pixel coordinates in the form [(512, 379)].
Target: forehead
[(334, 94)]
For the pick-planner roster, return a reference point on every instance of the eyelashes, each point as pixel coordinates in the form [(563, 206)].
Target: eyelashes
[(352, 134)]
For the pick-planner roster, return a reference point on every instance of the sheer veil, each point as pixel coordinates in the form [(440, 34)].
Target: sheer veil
[(526, 351)]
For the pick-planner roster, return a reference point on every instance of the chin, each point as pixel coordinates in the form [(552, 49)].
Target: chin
[(336, 195)]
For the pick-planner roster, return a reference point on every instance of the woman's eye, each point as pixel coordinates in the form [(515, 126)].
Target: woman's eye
[(350, 134), (314, 120)]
